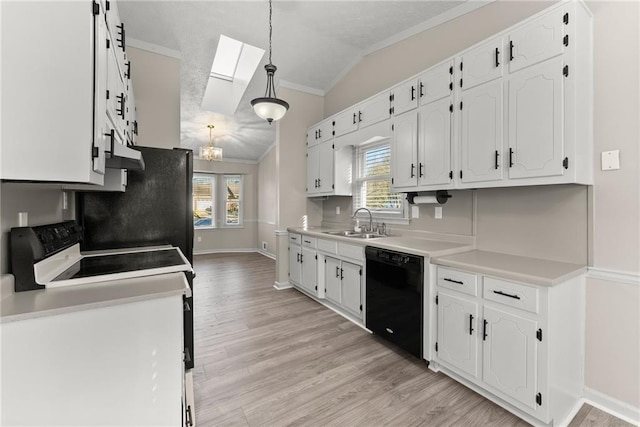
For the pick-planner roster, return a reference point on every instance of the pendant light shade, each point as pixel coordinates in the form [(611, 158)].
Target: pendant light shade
[(269, 107)]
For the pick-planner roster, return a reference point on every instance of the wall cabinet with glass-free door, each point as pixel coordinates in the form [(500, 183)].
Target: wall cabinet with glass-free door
[(329, 170), (518, 342), (55, 82), (421, 139)]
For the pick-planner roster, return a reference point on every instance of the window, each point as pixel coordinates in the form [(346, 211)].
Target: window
[(203, 201), (217, 196), (373, 186), (233, 202)]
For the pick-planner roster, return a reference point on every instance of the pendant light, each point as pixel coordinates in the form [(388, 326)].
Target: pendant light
[(210, 152), (270, 107)]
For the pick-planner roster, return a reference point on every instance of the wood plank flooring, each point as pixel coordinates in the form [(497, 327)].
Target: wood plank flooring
[(278, 358)]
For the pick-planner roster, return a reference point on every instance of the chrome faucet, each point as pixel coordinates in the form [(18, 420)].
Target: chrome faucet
[(370, 217)]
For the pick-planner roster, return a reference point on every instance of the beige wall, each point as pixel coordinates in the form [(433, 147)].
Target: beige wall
[(221, 239), (156, 85), (267, 201), (291, 163), (507, 217)]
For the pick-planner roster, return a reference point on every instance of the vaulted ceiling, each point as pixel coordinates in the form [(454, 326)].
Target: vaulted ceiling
[(314, 44)]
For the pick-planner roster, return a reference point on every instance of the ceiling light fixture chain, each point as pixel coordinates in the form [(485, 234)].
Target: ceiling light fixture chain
[(270, 107)]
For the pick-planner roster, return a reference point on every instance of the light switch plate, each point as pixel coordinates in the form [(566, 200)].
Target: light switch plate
[(610, 160), (415, 211), (337, 210)]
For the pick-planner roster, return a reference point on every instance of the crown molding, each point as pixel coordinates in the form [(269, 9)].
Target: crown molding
[(154, 48), (301, 88)]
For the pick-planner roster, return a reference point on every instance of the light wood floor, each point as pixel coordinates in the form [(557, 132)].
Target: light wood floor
[(276, 358)]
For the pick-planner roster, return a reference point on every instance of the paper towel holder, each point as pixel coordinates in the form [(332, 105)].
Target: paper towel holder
[(441, 197)]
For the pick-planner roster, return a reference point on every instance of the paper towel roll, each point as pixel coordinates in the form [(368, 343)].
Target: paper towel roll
[(422, 200)]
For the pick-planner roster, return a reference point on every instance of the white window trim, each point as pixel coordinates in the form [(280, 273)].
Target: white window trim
[(380, 216)]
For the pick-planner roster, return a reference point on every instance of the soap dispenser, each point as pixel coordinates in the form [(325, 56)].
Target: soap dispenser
[(357, 227)]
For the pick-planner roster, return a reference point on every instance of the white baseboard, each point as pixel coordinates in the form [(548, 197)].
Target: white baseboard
[(222, 251), (282, 285), (267, 254), (613, 406)]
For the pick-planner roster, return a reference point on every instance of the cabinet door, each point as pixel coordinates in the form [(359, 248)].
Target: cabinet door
[(115, 90), (482, 64), (351, 287), (510, 355), (481, 144), (436, 83), (537, 41), (295, 274), (100, 92), (536, 112), (434, 143), (313, 156), (325, 167), (457, 332), (325, 130), (374, 110), (404, 150), (405, 97), (346, 122), (332, 281), (309, 270)]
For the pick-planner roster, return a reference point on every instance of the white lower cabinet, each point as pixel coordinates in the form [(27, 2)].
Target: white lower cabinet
[(457, 343), (303, 267), (332, 280), (520, 345), (509, 354), (343, 284)]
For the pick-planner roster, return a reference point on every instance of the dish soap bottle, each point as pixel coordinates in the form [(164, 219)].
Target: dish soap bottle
[(357, 227)]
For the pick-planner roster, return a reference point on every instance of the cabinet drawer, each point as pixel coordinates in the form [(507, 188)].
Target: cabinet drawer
[(511, 294), (309, 241), (351, 251), (458, 281), (329, 246), (295, 238)]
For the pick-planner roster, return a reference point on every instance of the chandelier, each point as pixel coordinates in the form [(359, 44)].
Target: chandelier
[(270, 107), (210, 152)]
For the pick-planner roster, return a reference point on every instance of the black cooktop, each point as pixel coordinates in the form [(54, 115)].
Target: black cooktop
[(101, 265)]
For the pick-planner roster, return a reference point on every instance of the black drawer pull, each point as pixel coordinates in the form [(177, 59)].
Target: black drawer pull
[(511, 50), (497, 155), (506, 295), (497, 58), (471, 324), (484, 329), (307, 241), (446, 279), (337, 272)]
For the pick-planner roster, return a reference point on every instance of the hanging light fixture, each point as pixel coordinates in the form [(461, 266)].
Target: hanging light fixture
[(210, 152), (270, 107)]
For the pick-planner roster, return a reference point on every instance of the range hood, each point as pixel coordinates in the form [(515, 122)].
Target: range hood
[(123, 157)]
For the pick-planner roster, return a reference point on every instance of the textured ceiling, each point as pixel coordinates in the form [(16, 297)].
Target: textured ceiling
[(314, 42)]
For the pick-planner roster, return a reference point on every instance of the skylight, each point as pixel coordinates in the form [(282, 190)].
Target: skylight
[(226, 60), (233, 67)]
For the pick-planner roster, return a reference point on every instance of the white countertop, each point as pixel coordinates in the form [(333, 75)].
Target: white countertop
[(16, 306), (524, 269), (413, 245)]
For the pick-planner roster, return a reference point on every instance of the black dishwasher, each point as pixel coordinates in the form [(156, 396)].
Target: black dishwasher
[(394, 297)]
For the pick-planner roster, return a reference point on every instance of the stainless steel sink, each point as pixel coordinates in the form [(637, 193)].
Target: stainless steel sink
[(354, 234)]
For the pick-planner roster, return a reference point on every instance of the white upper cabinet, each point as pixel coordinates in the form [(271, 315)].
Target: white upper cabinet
[(434, 144), (329, 170), (538, 40), (536, 113), (481, 129), (481, 64), (345, 122), (404, 97), (436, 83), (404, 150), (321, 132), (374, 110), (521, 105)]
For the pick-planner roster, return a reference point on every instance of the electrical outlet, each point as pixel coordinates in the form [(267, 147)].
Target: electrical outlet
[(65, 200), (264, 246), (23, 219), (610, 160), (415, 211), (438, 212), (337, 210), (199, 238)]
